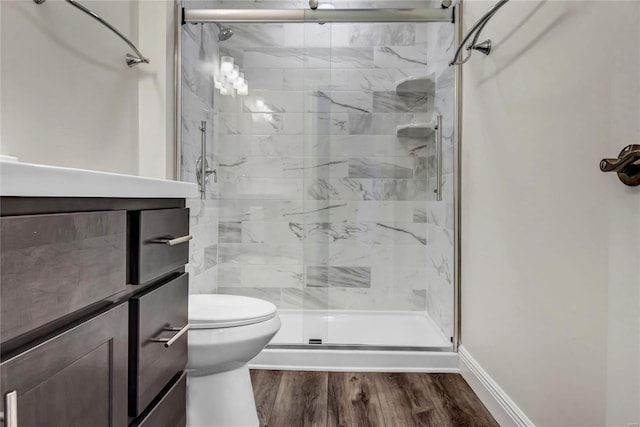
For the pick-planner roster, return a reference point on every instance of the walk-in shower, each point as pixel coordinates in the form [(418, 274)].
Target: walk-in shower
[(335, 174)]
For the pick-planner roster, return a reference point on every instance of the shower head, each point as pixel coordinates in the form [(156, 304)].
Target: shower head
[(224, 33)]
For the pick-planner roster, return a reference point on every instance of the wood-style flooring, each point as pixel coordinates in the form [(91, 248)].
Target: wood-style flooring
[(346, 399)]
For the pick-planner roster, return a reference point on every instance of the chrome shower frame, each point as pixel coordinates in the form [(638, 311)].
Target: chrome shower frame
[(336, 15), (457, 189), (247, 16)]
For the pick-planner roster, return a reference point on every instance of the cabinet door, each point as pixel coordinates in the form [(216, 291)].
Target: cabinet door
[(77, 378)]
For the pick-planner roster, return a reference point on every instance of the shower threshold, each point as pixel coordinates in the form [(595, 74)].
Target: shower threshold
[(356, 327), (353, 340)]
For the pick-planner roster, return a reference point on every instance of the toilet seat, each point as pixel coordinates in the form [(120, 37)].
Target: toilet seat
[(214, 311)]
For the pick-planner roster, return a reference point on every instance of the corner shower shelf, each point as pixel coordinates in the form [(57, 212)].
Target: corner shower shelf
[(422, 85), (416, 85), (416, 130)]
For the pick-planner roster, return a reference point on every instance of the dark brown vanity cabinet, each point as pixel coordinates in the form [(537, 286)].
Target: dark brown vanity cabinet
[(93, 312), (77, 378)]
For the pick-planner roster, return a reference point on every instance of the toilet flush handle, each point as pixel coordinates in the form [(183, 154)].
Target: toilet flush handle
[(169, 341)]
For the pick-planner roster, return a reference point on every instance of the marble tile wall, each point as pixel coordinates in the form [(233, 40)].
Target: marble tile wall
[(319, 205)]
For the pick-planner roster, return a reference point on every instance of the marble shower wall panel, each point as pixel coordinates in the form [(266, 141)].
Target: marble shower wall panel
[(339, 277), (367, 145), (320, 205)]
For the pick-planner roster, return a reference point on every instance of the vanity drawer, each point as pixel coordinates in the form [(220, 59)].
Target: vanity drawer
[(55, 265), (156, 316), (170, 411), (160, 243)]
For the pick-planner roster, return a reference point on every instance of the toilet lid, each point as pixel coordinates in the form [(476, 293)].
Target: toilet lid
[(209, 311)]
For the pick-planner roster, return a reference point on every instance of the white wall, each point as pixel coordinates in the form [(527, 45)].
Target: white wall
[(69, 99), (156, 89), (550, 279)]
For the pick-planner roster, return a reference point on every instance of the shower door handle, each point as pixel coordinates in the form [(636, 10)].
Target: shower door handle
[(202, 164), (627, 165), (438, 189)]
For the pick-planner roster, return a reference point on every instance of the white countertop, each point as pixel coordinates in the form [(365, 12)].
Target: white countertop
[(33, 180)]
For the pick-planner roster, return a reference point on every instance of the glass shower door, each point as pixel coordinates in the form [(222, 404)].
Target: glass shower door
[(261, 170), (372, 94)]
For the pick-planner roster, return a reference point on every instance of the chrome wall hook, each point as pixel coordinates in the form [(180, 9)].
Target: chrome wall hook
[(627, 165)]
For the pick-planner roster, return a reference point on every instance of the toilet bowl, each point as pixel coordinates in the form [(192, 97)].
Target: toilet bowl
[(226, 332)]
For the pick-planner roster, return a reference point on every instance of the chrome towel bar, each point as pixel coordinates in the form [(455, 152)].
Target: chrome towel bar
[(131, 59), (483, 47)]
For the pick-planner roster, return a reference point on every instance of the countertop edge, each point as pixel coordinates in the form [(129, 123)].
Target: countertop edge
[(33, 180)]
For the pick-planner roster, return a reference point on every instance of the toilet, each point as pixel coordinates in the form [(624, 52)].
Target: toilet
[(226, 332)]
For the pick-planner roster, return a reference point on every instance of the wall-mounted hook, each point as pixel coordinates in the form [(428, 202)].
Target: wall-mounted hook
[(627, 165)]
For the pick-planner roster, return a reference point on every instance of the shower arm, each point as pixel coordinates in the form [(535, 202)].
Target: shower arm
[(477, 29), (131, 59)]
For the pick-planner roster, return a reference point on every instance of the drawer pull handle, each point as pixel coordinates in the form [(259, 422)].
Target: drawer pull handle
[(172, 241), (10, 415), (169, 341)]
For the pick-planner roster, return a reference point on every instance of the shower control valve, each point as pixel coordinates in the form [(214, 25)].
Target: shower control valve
[(207, 171)]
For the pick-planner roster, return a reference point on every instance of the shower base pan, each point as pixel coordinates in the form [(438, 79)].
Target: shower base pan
[(343, 340)]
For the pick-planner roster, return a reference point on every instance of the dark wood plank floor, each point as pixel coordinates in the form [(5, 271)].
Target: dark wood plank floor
[(346, 399)]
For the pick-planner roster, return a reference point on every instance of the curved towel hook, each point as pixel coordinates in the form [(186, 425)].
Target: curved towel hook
[(131, 59)]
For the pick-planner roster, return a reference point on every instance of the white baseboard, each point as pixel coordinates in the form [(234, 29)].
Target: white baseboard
[(499, 404), (356, 361)]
